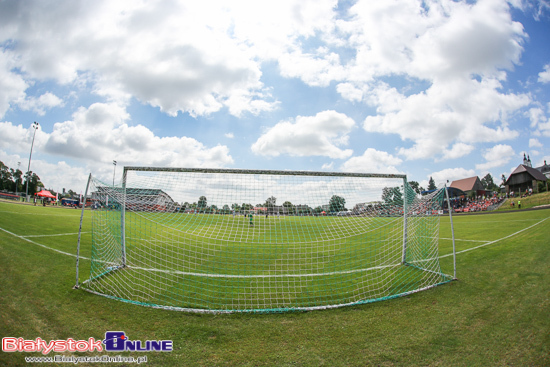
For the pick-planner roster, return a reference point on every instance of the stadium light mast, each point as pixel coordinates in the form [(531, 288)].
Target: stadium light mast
[(114, 169), (35, 127)]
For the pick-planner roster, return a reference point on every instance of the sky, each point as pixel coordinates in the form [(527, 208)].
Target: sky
[(442, 89)]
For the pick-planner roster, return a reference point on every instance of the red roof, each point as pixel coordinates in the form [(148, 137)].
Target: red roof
[(468, 184)]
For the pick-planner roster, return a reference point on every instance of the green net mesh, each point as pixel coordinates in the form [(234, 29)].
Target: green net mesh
[(251, 241)]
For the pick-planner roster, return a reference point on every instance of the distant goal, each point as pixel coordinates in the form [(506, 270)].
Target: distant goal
[(227, 240)]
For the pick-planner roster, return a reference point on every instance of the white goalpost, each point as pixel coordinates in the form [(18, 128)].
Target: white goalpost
[(228, 240)]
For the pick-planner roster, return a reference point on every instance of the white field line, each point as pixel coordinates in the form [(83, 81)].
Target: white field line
[(245, 276), (457, 239), (51, 235), (33, 214), (206, 275), (41, 245), (500, 239)]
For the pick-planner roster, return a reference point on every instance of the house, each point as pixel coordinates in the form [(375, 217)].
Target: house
[(471, 186), (524, 178), (545, 170)]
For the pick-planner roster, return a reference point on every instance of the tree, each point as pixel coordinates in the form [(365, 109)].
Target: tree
[(289, 208), (34, 183), (202, 202), (543, 185), (488, 183), (17, 176), (431, 184), (392, 196), (416, 187), (337, 204), (6, 181), (270, 202)]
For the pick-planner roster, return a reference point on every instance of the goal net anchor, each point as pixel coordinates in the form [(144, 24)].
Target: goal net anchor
[(207, 240)]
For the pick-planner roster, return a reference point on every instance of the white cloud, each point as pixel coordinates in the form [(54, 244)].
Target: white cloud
[(449, 174), (100, 133), (319, 135), (458, 150), (16, 137), (496, 156), (316, 70), (328, 166), (465, 39), (535, 143), (171, 55), (13, 84), (539, 122), (536, 116), (372, 161), (462, 111), (350, 92), (544, 76), (456, 50), (40, 104), (229, 135)]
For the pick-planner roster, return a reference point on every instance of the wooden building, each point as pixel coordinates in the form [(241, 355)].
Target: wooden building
[(523, 179)]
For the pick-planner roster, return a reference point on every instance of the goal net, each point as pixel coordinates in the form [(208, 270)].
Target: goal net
[(221, 240)]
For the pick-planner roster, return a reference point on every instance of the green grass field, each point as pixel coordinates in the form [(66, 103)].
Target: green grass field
[(227, 263), (496, 313)]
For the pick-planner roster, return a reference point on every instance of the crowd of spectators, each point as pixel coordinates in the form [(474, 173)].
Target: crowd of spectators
[(476, 204)]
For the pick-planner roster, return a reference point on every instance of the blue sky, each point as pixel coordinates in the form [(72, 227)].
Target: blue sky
[(442, 89)]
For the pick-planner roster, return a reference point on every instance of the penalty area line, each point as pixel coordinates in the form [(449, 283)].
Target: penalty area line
[(500, 239), (41, 245), (52, 235)]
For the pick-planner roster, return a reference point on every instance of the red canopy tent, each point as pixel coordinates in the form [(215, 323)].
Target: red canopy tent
[(45, 194)]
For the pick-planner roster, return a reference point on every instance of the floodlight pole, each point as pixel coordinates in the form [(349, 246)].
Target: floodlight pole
[(114, 170), (35, 127)]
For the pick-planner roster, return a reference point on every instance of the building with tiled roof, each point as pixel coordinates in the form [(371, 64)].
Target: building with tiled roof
[(470, 186), (524, 178), (545, 170)]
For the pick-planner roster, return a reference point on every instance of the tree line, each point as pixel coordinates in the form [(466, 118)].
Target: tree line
[(335, 204), (14, 180)]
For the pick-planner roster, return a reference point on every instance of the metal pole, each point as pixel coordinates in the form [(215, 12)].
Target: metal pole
[(123, 219), (405, 184), (452, 231), (114, 169), (35, 127), (80, 231)]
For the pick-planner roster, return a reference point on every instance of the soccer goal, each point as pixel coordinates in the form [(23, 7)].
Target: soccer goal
[(225, 240)]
